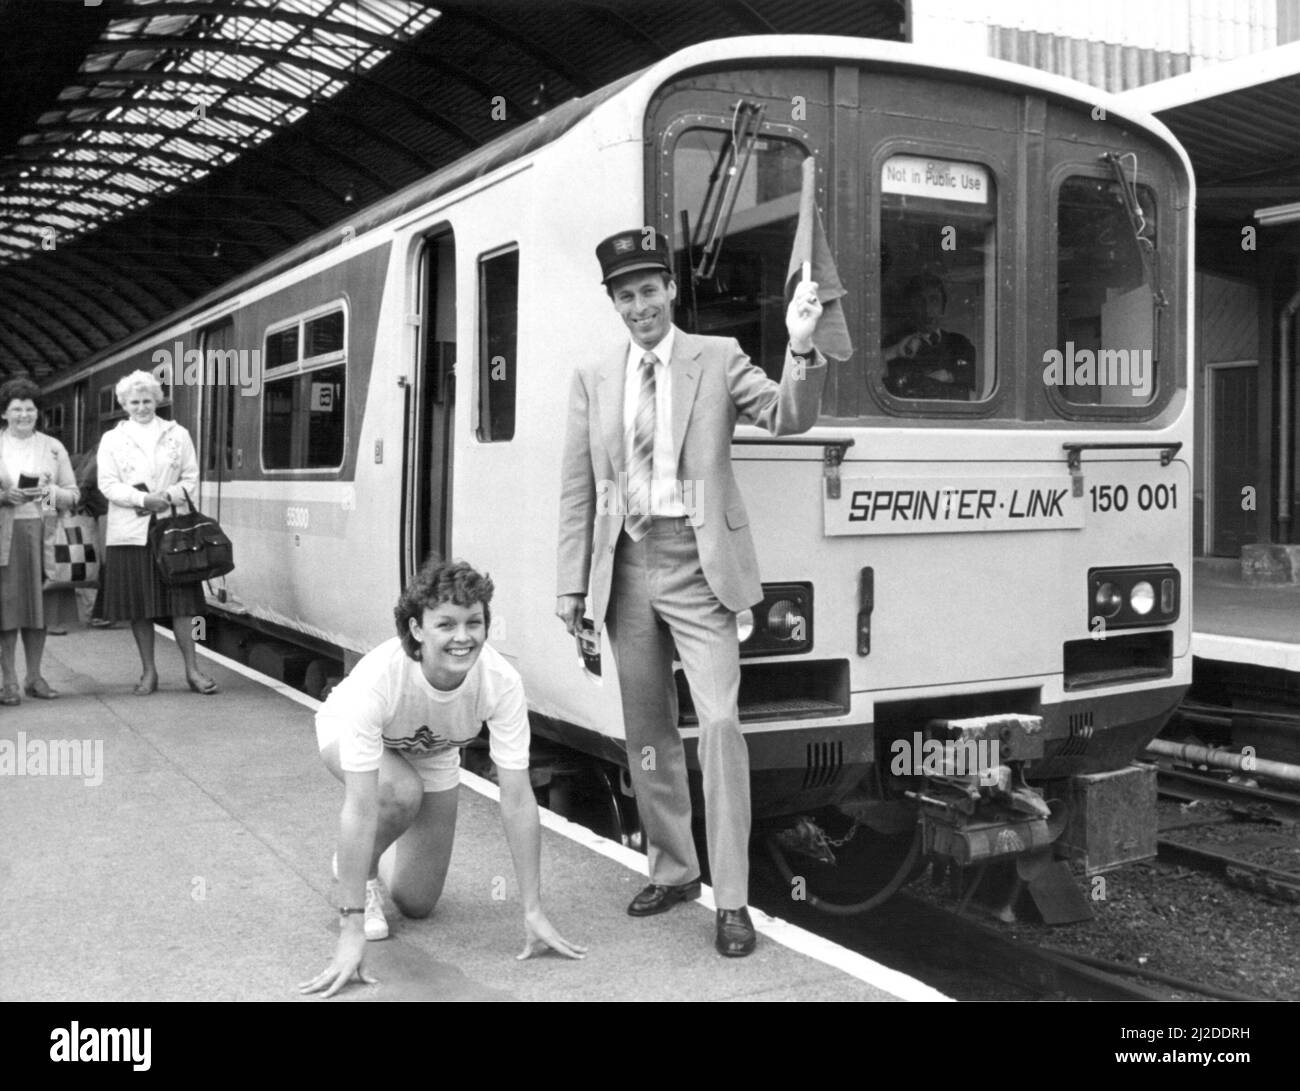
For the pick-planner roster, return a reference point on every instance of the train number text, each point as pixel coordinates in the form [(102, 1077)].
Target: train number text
[(1149, 497)]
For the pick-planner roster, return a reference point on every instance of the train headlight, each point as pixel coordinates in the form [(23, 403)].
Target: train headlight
[(1107, 600), (782, 624), (1125, 598), (785, 622)]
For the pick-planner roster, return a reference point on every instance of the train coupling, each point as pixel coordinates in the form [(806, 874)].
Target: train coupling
[(975, 804)]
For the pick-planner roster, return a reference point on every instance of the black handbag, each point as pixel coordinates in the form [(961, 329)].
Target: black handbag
[(189, 547)]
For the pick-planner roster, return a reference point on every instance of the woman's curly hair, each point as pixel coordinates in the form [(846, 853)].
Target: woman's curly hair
[(435, 583)]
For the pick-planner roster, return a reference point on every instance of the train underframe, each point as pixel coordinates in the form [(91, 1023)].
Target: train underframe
[(983, 784)]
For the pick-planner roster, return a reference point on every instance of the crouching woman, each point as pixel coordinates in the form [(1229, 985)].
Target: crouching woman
[(392, 732)]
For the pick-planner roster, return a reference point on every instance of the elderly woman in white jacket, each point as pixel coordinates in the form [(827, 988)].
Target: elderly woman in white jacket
[(146, 464)]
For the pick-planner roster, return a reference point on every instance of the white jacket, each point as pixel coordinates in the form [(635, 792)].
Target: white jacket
[(170, 468)]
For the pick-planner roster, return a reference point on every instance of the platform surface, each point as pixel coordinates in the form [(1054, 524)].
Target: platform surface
[(191, 862), (1236, 622)]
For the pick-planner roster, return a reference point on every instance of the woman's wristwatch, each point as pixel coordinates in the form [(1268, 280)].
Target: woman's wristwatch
[(348, 910)]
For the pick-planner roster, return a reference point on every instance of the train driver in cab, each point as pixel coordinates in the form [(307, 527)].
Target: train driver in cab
[(923, 359), (392, 731)]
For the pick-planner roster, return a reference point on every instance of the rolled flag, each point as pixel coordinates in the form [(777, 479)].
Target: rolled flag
[(810, 245)]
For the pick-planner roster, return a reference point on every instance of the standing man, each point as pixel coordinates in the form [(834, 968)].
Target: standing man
[(652, 518)]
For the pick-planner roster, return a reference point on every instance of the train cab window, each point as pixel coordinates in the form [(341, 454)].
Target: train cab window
[(938, 255), (304, 393), (733, 254), (498, 279), (1105, 298)]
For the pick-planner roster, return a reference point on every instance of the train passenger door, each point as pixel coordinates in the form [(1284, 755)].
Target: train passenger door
[(216, 418), (430, 409)]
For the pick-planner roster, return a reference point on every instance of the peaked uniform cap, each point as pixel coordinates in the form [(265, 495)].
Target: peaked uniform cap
[(632, 251)]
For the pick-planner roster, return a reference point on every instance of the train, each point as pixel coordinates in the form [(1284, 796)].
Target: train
[(977, 598)]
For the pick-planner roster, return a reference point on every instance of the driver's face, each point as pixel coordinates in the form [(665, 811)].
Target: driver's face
[(927, 309)]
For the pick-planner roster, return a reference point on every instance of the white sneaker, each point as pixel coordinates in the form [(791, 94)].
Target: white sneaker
[(376, 922)]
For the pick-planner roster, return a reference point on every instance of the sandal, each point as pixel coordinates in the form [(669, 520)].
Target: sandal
[(38, 687), (143, 688), (10, 695), (205, 685)]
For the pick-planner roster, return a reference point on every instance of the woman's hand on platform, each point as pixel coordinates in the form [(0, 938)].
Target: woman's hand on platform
[(348, 964), (541, 934)]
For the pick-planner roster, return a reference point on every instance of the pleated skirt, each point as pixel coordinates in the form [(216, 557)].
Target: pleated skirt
[(21, 604), (130, 589)]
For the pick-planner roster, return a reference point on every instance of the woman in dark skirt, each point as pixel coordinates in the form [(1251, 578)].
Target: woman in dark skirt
[(146, 464), (36, 480)]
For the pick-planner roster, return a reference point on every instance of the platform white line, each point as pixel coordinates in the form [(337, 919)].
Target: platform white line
[(1245, 649), (783, 932)]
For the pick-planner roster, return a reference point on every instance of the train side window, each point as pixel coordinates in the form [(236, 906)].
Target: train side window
[(1105, 303), (304, 393), (498, 283), (938, 275), (736, 288)]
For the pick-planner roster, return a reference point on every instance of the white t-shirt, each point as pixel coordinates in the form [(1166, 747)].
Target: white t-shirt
[(387, 701)]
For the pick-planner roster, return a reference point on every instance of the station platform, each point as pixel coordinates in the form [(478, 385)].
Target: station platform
[(1237, 622), (188, 858)]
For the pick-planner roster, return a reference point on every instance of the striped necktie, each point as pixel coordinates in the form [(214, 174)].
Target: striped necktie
[(640, 468)]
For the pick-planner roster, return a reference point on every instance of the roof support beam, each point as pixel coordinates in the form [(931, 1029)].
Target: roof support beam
[(57, 333), (35, 281), (276, 56), (325, 108), (210, 139), (130, 167)]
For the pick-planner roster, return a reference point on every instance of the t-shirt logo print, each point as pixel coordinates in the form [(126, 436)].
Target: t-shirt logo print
[(424, 741)]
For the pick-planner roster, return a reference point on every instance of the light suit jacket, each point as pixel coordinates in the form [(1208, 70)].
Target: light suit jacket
[(714, 386)]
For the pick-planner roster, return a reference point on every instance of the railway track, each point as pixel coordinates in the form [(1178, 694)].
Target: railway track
[(1045, 971)]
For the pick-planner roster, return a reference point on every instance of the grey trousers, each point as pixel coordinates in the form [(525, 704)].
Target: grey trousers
[(659, 599)]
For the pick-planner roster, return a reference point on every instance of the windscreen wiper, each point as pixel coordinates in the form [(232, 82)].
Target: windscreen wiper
[(1137, 220), (720, 200)]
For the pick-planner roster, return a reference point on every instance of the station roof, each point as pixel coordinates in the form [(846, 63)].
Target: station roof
[(151, 150), (1238, 122)]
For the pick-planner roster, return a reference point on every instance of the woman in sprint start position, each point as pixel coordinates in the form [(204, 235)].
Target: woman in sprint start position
[(392, 732)]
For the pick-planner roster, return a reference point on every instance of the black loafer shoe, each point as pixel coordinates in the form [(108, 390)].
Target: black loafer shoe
[(656, 899), (735, 933)]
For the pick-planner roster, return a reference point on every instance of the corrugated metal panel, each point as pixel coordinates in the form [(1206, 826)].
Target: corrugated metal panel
[(1110, 66), (1288, 21)]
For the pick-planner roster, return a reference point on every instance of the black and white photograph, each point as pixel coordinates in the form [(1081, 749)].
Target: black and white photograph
[(679, 501)]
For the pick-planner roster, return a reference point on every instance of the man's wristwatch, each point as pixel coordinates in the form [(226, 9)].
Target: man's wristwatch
[(803, 355), (348, 910)]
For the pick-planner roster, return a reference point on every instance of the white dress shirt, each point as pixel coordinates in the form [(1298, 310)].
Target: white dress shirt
[(665, 490)]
